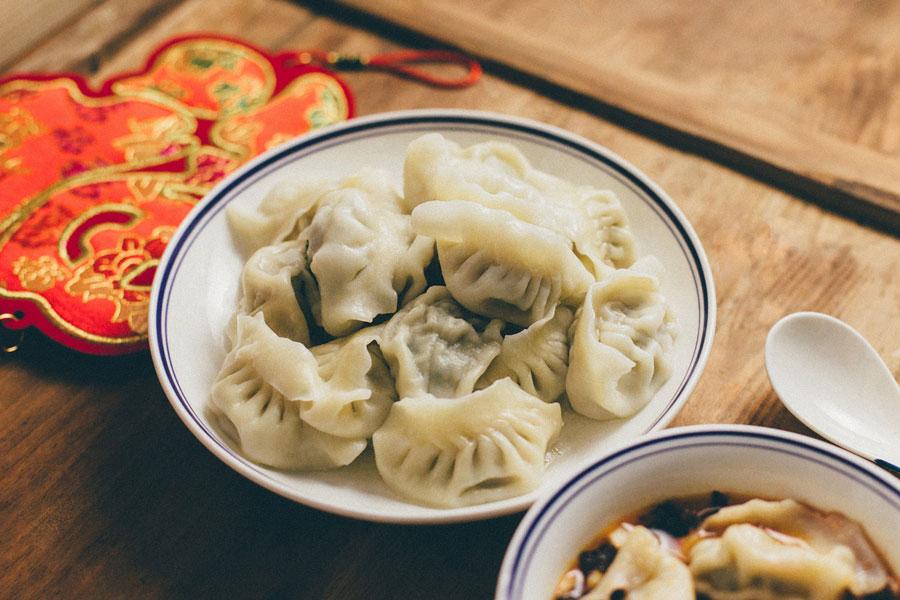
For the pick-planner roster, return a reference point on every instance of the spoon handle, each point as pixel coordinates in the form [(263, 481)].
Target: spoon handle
[(888, 466)]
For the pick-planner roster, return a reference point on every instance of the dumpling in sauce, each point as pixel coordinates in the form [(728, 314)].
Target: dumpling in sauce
[(644, 570), (753, 550), (767, 550)]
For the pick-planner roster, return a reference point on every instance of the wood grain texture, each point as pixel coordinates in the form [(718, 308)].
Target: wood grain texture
[(89, 39), (26, 22), (105, 494), (805, 94)]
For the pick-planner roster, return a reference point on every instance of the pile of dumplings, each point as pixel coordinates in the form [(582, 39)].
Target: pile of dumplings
[(446, 324)]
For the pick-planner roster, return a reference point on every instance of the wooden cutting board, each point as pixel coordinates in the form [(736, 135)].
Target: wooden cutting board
[(805, 94)]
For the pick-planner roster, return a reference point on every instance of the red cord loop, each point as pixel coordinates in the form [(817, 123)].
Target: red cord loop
[(399, 62)]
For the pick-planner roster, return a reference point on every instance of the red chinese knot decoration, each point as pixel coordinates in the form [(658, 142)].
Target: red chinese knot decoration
[(94, 183)]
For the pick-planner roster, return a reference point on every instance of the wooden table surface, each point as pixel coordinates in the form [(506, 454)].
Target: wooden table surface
[(105, 494), (804, 92)]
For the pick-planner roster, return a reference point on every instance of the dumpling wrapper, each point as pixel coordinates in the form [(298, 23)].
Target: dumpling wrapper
[(485, 446), (621, 341), (268, 287), (644, 570), (497, 175), (536, 358), (283, 213), (784, 549), (358, 389), (365, 257), (434, 346), (258, 393), (499, 266), (748, 562)]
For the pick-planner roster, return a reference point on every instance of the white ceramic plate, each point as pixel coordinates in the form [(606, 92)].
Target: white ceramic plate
[(685, 461), (196, 290)]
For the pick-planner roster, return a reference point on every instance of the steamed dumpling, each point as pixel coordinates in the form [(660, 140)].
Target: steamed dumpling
[(605, 239), (283, 213), (620, 344), (501, 267), (748, 562), (486, 446), (644, 570), (259, 392), (497, 175), (536, 358), (268, 287), (358, 390), (288, 208), (434, 346), (436, 168), (768, 550), (365, 257)]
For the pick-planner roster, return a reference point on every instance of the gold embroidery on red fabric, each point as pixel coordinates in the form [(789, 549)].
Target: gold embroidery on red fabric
[(121, 275), (238, 134), (38, 274), (156, 139), (134, 312), (63, 244), (240, 97), (127, 281), (11, 87), (278, 139), (16, 124), (332, 106), (97, 278), (11, 222), (199, 56)]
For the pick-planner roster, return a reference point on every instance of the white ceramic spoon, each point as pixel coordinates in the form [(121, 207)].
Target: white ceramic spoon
[(831, 378)]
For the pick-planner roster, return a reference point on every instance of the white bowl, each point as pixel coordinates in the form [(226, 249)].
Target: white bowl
[(196, 288), (693, 460)]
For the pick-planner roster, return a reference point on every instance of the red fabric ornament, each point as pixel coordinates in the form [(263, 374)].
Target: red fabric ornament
[(94, 183)]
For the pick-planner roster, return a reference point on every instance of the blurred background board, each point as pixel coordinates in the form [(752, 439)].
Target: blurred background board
[(25, 22), (805, 94)]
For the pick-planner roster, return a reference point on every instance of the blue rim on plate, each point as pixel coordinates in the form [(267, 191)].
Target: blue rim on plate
[(416, 120), (539, 519)]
